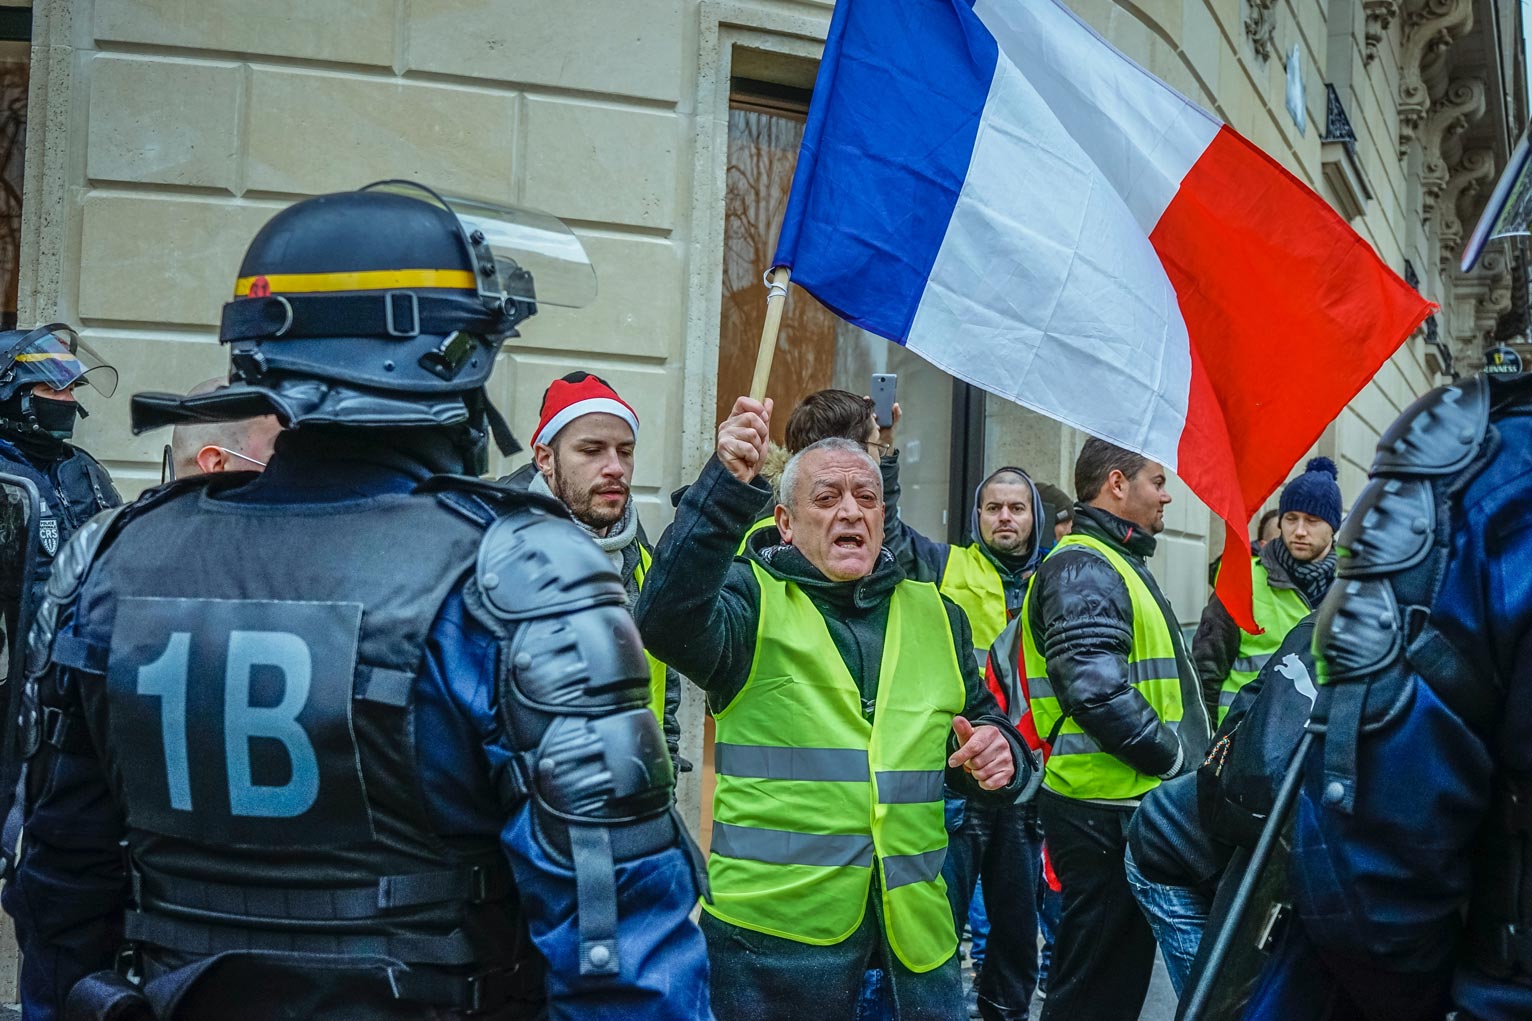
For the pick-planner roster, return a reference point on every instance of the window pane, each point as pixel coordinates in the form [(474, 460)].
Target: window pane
[(14, 69), (815, 349)]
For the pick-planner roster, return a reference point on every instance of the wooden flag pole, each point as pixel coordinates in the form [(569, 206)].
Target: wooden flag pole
[(776, 298)]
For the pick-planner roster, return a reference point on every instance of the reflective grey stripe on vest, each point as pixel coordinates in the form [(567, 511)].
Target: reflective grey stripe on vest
[(904, 869), (772, 762), (1250, 664), (1152, 669), (981, 657), (1084, 744), (909, 786), (784, 847), (1226, 698)]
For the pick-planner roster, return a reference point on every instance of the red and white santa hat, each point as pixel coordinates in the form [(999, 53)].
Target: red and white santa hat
[(576, 394)]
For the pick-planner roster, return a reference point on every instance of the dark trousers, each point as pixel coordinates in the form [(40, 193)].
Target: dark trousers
[(1103, 955), (1002, 845), (756, 977)]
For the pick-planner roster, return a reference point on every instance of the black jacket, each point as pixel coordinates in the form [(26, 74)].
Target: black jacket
[(700, 605), (1081, 617), (1216, 645), (1185, 832)]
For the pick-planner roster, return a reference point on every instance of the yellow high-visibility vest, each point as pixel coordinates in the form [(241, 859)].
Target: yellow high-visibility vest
[(1278, 611), (656, 668), (1078, 768), (973, 582), (811, 797)]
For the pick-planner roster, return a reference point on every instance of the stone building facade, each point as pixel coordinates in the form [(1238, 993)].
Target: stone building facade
[(160, 134)]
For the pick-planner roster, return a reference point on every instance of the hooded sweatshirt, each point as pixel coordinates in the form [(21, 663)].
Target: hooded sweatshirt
[(928, 560)]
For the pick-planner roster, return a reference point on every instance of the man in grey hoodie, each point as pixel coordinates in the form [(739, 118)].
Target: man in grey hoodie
[(582, 456)]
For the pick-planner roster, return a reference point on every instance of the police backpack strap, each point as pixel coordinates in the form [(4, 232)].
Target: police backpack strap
[(574, 702), (1373, 630)]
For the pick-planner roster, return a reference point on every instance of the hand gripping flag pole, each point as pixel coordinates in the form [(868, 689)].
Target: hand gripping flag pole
[(776, 298)]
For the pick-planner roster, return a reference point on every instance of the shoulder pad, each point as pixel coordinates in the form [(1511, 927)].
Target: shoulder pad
[(533, 563), (1391, 528), (1439, 434), (1357, 631), (70, 567)]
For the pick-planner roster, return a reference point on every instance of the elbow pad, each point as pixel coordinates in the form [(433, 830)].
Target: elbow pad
[(573, 690)]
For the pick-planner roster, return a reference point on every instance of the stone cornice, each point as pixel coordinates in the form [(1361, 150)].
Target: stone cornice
[(1450, 116), (1379, 15), (1429, 28), (1473, 171)]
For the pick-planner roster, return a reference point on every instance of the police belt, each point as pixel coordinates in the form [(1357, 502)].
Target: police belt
[(300, 908)]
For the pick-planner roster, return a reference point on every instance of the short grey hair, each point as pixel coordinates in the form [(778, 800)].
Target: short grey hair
[(788, 483), (188, 438)]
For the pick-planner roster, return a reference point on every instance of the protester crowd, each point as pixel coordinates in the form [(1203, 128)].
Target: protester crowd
[(1008, 739)]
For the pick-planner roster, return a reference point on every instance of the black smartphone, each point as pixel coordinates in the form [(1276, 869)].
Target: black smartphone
[(883, 384)]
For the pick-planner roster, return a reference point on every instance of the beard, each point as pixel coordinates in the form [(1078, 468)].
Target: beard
[(581, 501), (1010, 545)]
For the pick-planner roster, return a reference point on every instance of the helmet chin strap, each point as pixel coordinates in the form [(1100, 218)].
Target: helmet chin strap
[(484, 422), (499, 428)]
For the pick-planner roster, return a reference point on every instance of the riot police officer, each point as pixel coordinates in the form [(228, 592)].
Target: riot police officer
[(40, 370), (1412, 860), (375, 743)]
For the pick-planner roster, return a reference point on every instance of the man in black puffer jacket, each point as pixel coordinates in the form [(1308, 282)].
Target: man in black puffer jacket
[(1113, 692)]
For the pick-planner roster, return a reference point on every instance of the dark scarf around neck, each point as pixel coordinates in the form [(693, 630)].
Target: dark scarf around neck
[(1313, 578)]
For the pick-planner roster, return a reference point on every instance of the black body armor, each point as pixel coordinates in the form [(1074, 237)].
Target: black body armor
[(1374, 637), (254, 705), (73, 490)]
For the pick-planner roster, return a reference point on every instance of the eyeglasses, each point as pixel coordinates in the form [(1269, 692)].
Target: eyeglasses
[(879, 449)]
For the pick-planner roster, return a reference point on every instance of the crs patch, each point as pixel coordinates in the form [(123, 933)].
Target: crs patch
[(229, 721), (48, 534)]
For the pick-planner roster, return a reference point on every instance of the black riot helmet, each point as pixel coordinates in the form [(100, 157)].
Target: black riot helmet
[(382, 307), (54, 356)]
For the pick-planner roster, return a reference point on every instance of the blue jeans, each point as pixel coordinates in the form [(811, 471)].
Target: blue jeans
[(1050, 905), (1177, 914), (978, 925)]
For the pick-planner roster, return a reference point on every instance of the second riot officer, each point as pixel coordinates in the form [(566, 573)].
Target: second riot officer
[(40, 370), (359, 737)]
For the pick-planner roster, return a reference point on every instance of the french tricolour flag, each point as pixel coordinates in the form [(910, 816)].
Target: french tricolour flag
[(991, 184)]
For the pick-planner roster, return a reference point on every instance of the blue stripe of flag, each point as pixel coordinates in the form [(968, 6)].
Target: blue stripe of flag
[(888, 142)]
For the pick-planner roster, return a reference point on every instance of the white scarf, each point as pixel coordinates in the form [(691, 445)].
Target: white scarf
[(617, 538)]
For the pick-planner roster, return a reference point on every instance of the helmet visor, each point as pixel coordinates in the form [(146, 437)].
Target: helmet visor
[(556, 270), (55, 356), (536, 256)]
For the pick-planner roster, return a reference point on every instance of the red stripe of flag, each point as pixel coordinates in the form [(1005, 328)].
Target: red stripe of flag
[(1290, 313)]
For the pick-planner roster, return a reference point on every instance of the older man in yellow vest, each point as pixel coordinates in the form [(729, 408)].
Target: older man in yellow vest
[(844, 694)]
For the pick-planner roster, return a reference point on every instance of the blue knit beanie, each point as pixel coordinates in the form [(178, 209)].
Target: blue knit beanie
[(1315, 492)]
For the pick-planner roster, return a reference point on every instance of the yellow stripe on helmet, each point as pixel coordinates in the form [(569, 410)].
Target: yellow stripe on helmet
[(47, 356), (360, 280)]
